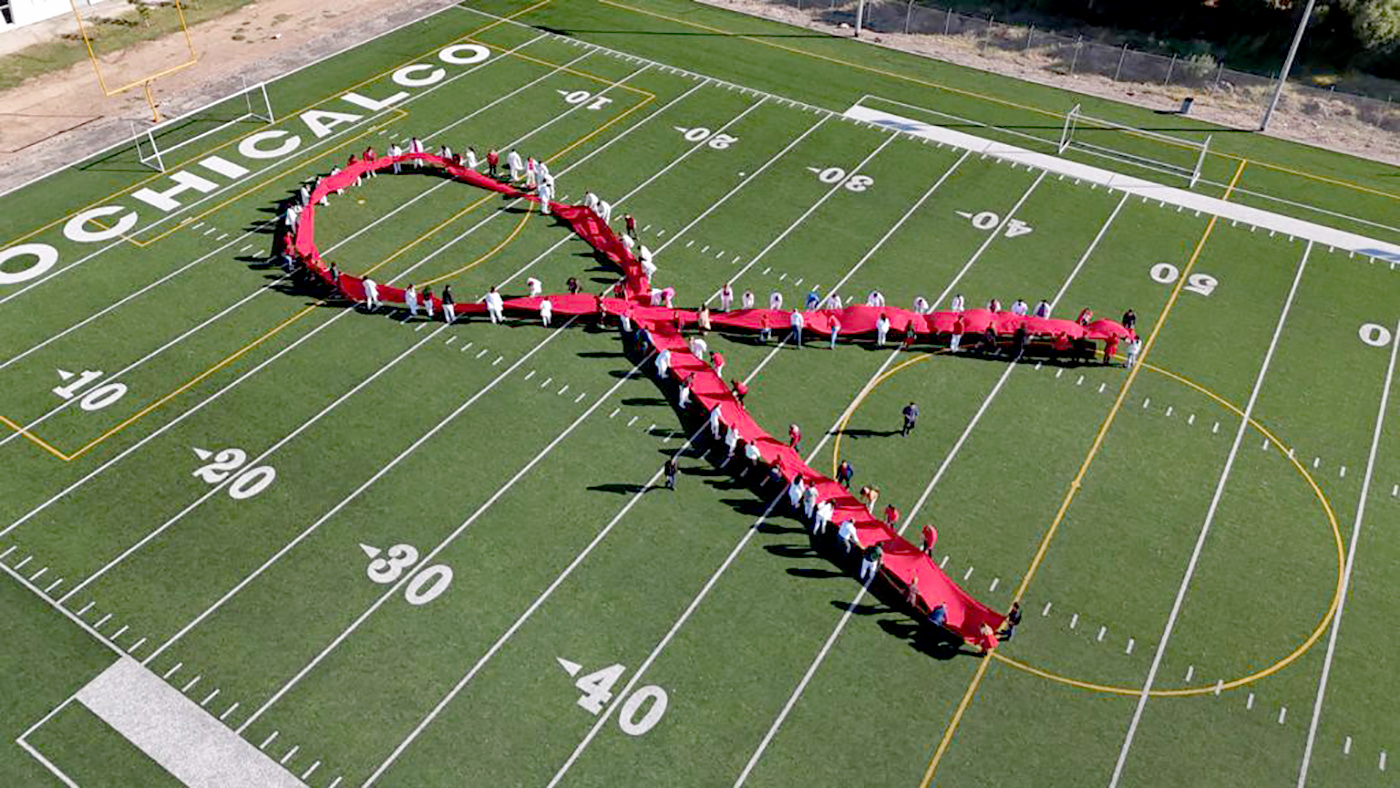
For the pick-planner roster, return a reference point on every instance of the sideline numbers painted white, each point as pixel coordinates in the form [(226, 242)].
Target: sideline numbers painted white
[(700, 133), (597, 691), (835, 175), (1166, 273), (580, 96), (987, 220), (387, 566), (95, 398), (1375, 335), (246, 484)]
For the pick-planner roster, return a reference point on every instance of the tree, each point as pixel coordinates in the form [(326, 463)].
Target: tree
[(1377, 24)]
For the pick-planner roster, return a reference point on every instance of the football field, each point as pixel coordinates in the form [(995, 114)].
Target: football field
[(247, 529)]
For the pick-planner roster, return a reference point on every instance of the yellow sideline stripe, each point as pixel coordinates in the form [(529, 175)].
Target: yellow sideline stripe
[(239, 138), (35, 439), (959, 91), (1078, 480)]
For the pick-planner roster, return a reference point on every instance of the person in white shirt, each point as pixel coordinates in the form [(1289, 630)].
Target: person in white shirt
[(516, 165), (544, 173), (683, 396), (628, 242), (546, 312), (304, 195), (956, 304), (699, 348), (993, 305), (410, 300), (591, 201), (291, 217), (731, 442), (469, 157), (371, 294), (882, 329), (1134, 348), (545, 192), (1042, 309), (604, 211), (656, 296), (445, 153), (833, 301), (663, 362), (876, 298), (825, 510), (395, 151), (534, 286), (847, 534), (747, 301), (726, 297), (809, 502), (797, 321), (1019, 307), (715, 422), (648, 267), (775, 300), (530, 175), (415, 145), (921, 305), (796, 490), (495, 306)]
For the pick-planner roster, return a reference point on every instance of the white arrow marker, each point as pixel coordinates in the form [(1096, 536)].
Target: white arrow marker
[(964, 214), (562, 92), (571, 667), (202, 454), (681, 129), (372, 552), (814, 169), (64, 374)]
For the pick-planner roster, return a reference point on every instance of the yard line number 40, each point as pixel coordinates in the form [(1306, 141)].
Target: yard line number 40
[(640, 711)]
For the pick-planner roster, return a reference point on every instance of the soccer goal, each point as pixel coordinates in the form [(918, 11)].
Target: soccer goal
[(1172, 155), (155, 144)]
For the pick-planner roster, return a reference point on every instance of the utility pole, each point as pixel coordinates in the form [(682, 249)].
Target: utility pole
[(860, 17), (1287, 65)]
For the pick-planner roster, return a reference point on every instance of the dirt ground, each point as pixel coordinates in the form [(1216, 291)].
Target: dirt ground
[(40, 131), (1311, 123)]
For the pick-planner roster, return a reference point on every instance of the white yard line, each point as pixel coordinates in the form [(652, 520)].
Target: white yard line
[(397, 587), (1350, 564), (1162, 642), (47, 764), (910, 517), (70, 615), (356, 493)]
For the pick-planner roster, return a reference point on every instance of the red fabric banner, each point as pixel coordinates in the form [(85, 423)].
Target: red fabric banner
[(902, 562)]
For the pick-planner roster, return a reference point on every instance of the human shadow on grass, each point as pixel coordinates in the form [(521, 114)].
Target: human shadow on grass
[(866, 433), (621, 488)]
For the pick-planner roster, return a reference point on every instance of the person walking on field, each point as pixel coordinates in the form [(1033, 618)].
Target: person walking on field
[(449, 304), (797, 323), (516, 165), (844, 472), (911, 419), (794, 435), (726, 297), (1134, 348), (671, 469), (410, 300), (546, 312), (371, 294), (428, 301), (930, 537), (495, 306)]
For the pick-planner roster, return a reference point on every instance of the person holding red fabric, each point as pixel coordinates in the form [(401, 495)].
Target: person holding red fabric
[(930, 535), (835, 330), (740, 390), (1110, 346), (493, 160), (870, 494), (794, 435), (369, 156), (959, 326), (1062, 344), (717, 361), (1085, 316), (891, 515)]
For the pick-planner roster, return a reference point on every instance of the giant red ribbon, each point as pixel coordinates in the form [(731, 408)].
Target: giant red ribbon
[(965, 615)]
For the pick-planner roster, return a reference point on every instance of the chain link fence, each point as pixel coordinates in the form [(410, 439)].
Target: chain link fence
[(1030, 50)]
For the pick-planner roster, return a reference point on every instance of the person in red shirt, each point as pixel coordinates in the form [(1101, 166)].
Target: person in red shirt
[(740, 390), (369, 156), (891, 515), (493, 159), (1109, 348), (930, 539), (631, 224), (794, 435), (1085, 316), (1061, 344), (717, 361)]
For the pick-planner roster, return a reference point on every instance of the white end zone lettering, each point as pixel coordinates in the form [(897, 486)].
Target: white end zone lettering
[(45, 257), (76, 228)]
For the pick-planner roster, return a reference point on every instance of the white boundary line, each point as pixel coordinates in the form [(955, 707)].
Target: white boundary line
[(913, 513), (70, 615), (1351, 563), (1205, 527), (277, 78), (368, 121)]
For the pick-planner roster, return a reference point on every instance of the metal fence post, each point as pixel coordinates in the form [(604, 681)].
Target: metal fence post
[(947, 22), (1030, 31), (1078, 45), (987, 35), (1121, 58), (1170, 66), (1220, 72), (908, 14)]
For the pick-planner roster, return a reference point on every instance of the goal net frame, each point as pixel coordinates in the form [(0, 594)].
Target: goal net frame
[(1075, 120), (151, 152)]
